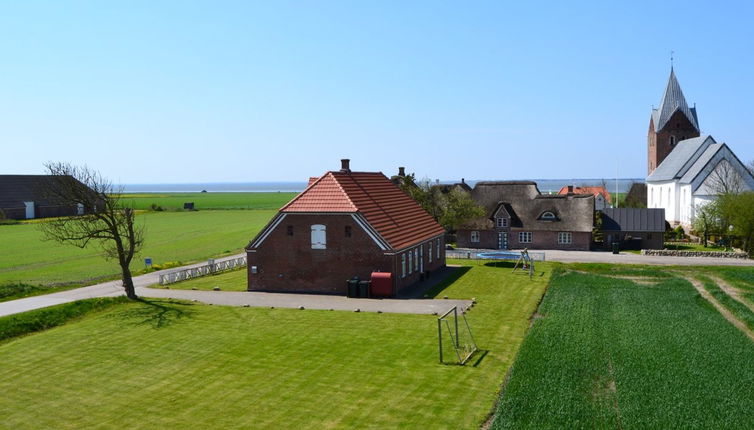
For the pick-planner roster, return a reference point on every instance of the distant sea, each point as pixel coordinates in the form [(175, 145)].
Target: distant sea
[(544, 185)]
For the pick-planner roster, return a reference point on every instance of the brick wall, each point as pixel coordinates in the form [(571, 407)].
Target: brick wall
[(540, 240), (288, 263), (658, 144)]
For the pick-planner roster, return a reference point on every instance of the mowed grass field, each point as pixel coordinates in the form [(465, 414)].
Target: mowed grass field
[(179, 365), (203, 201), (170, 237), (621, 347)]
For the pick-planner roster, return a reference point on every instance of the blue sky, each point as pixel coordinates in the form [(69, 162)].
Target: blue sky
[(269, 91)]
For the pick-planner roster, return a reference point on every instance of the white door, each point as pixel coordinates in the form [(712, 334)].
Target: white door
[(29, 210)]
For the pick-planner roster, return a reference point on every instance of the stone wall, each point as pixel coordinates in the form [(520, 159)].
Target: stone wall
[(674, 253)]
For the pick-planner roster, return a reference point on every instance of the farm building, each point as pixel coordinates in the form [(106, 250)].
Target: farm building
[(633, 228), (601, 196), (519, 216), (22, 197), (345, 224)]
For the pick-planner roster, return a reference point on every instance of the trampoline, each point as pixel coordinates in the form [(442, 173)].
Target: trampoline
[(522, 258)]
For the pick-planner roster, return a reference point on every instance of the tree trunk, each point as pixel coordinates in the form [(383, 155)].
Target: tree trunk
[(128, 283)]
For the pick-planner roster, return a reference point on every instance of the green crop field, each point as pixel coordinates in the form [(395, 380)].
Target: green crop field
[(170, 237), (203, 201), (631, 348), (179, 365)]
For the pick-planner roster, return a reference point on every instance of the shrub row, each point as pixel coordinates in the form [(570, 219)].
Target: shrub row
[(42, 319)]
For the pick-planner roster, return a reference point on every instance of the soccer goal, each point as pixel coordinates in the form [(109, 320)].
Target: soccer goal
[(454, 336)]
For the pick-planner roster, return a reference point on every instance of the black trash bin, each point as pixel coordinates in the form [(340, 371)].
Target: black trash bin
[(353, 287), (364, 289), (616, 248)]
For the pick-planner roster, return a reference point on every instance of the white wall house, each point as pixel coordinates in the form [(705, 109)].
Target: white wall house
[(681, 183)]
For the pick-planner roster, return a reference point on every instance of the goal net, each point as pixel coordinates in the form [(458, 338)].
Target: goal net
[(455, 341)]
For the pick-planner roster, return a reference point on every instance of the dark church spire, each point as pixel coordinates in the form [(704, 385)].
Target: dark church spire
[(672, 101)]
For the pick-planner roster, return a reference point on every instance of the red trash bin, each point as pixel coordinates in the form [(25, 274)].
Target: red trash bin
[(382, 284)]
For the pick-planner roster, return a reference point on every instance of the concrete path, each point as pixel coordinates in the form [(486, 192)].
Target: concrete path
[(308, 301), (629, 258), (105, 289), (232, 298)]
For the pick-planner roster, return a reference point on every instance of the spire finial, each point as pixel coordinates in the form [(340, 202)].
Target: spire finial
[(671, 60)]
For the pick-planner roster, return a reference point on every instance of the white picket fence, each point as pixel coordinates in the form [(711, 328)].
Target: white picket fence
[(207, 269)]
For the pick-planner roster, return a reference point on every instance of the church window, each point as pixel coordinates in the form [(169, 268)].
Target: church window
[(672, 140)]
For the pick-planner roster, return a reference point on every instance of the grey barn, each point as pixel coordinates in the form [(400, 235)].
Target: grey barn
[(633, 228), (21, 197)]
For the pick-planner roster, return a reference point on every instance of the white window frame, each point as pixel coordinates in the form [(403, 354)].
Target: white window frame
[(548, 218), (409, 262), (525, 237), (565, 238), (319, 240), (429, 254), (438, 248), (416, 259), (502, 222), (474, 236), (403, 265)]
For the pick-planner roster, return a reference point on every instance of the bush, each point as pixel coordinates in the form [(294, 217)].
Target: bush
[(20, 290), (155, 207), (42, 319)]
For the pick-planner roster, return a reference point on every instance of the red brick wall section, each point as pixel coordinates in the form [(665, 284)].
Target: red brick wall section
[(287, 263), (658, 144), (540, 240), (415, 275)]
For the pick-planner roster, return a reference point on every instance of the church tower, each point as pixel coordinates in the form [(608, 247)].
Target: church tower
[(672, 122)]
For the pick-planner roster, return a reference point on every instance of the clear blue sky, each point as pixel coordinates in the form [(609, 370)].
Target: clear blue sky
[(160, 91)]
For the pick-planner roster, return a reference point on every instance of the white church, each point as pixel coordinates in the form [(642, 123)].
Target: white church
[(685, 168)]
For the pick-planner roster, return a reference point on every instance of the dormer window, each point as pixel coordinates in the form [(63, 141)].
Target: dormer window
[(548, 216), (501, 222)]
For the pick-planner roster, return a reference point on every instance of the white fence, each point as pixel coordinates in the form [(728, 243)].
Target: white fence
[(462, 254), (207, 269)]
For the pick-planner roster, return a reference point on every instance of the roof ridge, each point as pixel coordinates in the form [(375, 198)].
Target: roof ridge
[(368, 195)]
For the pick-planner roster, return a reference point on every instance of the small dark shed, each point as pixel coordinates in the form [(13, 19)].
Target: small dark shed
[(634, 228), (21, 197)]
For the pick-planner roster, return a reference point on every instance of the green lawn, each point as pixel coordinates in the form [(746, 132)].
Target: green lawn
[(195, 366), (611, 352), (170, 237), (234, 280), (204, 201)]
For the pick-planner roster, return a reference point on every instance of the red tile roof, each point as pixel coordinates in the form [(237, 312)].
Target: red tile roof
[(588, 190), (392, 213)]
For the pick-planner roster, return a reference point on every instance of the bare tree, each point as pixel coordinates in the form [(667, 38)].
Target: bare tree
[(725, 179), (102, 217)]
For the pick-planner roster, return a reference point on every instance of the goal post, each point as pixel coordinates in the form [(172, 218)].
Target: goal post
[(454, 333)]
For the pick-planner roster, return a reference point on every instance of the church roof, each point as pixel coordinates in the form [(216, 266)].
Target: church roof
[(671, 102), (701, 162), (680, 159)]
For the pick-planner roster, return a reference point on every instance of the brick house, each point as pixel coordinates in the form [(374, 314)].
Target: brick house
[(601, 195), (519, 216), (22, 197), (345, 224)]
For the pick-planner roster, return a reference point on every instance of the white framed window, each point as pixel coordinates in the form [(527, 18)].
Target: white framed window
[(409, 262), (403, 265), (565, 238), (437, 247), (416, 259), (475, 236), (319, 236), (502, 222), (429, 254), (548, 216), (524, 237)]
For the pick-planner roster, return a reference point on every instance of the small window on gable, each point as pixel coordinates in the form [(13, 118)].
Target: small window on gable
[(548, 216), (475, 236), (289, 230), (501, 222), (349, 232), (672, 140), (319, 236)]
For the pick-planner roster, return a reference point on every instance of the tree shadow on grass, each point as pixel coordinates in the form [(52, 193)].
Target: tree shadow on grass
[(156, 313)]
